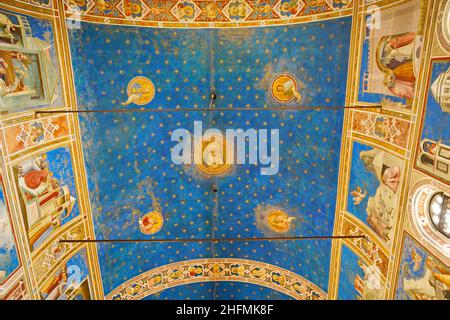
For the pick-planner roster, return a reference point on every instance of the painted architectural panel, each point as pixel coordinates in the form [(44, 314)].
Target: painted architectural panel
[(375, 184), (434, 149)]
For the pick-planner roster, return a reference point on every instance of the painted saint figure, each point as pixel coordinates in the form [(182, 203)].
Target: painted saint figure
[(46, 200), (151, 222), (289, 8), (395, 57)]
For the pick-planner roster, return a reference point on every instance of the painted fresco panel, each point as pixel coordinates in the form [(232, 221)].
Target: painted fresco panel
[(375, 181), (47, 193), (391, 54), (29, 72)]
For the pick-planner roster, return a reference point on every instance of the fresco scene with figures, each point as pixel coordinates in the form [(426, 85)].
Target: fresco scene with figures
[(224, 150), (28, 63), (373, 190), (47, 194)]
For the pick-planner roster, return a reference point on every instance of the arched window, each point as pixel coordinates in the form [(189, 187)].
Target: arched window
[(429, 212), (439, 210)]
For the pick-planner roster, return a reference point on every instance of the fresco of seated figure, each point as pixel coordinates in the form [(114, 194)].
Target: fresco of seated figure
[(47, 194)]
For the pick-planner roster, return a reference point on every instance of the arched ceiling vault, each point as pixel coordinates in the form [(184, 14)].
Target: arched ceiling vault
[(130, 172)]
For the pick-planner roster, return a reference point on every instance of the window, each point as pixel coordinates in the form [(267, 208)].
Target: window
[(439, 210), (429, 212)]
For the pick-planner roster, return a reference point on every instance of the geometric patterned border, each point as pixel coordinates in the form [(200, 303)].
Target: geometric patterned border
[(366, 247), (205, 13), (55, 252), (217, 269), (382, 127), (34, 133)]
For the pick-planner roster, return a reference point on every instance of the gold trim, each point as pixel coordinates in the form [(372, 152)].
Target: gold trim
[(205, 270)]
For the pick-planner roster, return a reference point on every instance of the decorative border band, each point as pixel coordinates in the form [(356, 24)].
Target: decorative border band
[(217, 269), (205, 13), (365, 247)]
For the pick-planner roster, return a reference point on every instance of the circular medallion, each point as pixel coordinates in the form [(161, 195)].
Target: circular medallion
[(284, 88), (151, 222), (279, 221), (443, 29), (213, 156), (141, 90)]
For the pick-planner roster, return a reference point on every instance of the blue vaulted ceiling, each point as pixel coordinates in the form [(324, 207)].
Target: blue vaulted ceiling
[(127, 156), (219, 291)]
